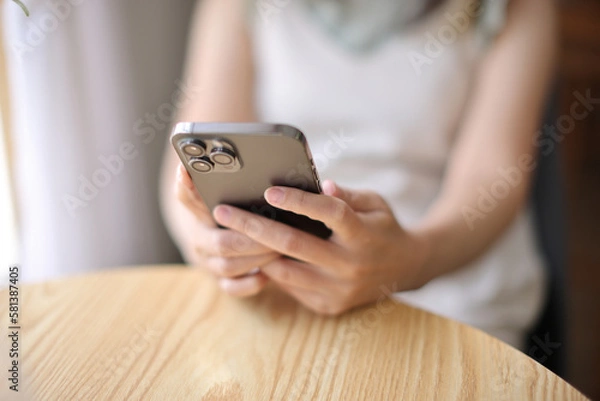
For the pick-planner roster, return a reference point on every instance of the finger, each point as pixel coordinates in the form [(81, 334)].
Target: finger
[(244, 286), (187, 194), (288, 272), (312, 300), (279, 237), (333, 212), (230, 244), (359, 201), (184, 176), (235, 267)]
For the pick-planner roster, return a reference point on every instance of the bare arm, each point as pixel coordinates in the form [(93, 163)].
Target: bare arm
[(497, 135), (369, 248), (219, 63)]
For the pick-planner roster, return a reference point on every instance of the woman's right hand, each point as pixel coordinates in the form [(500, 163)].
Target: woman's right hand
[(232, 257)]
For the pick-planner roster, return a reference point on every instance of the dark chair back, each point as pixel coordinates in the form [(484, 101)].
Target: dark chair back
[(547, 342)]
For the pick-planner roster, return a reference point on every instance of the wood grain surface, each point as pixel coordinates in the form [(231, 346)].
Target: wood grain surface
[(167, 333)]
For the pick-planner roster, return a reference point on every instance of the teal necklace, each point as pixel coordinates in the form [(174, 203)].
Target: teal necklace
[(362, 25)]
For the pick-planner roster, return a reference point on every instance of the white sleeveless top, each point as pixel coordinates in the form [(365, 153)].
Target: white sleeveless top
[(385, 122)]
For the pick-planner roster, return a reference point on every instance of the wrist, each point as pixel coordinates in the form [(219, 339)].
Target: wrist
[(421, 251)]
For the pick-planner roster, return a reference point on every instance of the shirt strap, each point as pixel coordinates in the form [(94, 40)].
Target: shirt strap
[(491, 20)]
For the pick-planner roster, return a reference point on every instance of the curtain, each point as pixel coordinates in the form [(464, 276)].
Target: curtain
[(93, 85), (8, 241)]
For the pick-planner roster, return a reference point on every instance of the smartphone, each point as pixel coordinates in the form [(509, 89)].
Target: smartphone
[(234, 163)]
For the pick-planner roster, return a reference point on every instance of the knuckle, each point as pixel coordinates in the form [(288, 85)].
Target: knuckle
[(193, 255), (355, 269), (252, 226), (329, 309), (372, 194), (341, 211), (283, 274), (325, 306), (292, 244), (348, 291), (224, 267), (222, 243), (241, 244), (300, 198), (379, 200), (320, 306), (337, 309)]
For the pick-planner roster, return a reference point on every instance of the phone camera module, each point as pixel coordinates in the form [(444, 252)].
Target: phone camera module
[(194, 148), (222, 156), (201, 164)]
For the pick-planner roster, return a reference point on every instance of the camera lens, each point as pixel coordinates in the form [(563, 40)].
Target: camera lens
[(222, 156), (194, 147), (201, 164)]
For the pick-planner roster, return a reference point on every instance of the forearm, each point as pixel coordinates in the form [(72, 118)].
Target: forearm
[(489, 172), (459, 229), (219, 64)]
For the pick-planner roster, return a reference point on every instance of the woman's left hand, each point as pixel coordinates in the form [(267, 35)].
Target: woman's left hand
[(367, 251)]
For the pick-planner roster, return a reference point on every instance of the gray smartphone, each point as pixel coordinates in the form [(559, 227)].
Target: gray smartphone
[(234, 163)]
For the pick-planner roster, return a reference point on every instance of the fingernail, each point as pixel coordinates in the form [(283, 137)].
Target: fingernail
[(222, 214), (274, 195), (328, 187)]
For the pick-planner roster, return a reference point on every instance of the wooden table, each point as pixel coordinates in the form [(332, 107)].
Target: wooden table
[(169, 334)]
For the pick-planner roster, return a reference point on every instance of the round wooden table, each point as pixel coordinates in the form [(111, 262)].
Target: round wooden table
[(168, 333)]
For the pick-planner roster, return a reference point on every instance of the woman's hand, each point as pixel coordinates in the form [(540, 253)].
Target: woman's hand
[(368, 247), (232, 257)]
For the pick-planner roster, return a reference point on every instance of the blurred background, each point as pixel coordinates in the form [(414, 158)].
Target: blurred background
[(578, 71)]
